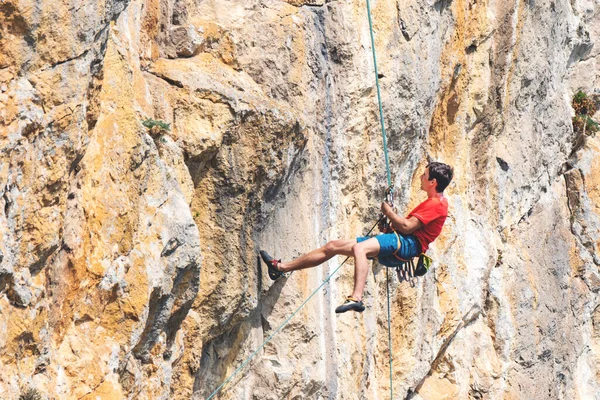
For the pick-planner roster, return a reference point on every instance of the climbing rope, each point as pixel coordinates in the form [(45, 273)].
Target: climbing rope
[(383, 134), (284, 323), (389, 182)]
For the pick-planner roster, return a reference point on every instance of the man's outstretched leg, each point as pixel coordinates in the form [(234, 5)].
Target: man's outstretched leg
[(360, 251), (310, 259)]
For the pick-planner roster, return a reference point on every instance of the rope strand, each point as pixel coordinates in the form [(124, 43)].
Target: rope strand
[(389, 180), (383, 134)]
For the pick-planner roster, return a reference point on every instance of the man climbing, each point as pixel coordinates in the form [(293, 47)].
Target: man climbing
[(415, 232)]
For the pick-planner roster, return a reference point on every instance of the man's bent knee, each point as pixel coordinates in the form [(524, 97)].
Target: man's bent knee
[(369, 247), (358, 249)]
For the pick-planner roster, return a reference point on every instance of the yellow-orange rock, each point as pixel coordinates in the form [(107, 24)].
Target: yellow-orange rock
[(150, 148)]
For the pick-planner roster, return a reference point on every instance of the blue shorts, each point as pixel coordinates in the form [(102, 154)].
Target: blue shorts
[(388, 243)]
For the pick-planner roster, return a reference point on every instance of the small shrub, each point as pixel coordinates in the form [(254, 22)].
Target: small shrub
[(30, 394), (579, 96), (152, 123), (585, 108)]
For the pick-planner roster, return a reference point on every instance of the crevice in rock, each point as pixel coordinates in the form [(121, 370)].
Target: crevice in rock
[(37, 266), (470, 317), (92, 389), (503, 164), (185, 292), (56, 64), (156, 313), (118, 6), (74, 166), (170, 247), (170, 81), (590, 58), (442, 5), (575, 186), (525, 216), (302, 4), (186, 284), (96, 78), (6, 279), (7, 201)]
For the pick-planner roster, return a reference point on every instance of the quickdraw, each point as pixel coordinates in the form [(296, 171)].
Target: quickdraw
[(408, 272)]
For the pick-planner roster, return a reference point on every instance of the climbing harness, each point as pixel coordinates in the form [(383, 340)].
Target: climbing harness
[(406, 270)]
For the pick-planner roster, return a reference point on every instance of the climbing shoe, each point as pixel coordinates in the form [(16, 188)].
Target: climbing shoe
[(351, 304), (274, 273)]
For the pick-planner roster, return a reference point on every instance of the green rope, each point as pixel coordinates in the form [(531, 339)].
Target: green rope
[(383, 135), (284, 323), (389, 181)]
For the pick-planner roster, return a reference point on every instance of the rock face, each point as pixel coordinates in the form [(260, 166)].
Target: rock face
[(128, 263)]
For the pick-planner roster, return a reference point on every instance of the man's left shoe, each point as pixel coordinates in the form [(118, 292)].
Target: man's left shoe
[(274, 273), (351, 304)]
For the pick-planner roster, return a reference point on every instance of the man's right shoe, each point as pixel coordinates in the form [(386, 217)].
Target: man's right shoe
[(274, 273), (351, 304)]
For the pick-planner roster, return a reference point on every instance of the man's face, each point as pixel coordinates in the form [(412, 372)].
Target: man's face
[(425, 182)]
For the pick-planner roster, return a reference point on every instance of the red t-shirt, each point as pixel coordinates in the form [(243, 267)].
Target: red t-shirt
[(432, 213)]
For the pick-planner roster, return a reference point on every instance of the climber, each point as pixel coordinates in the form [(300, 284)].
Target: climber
[(415, 232)]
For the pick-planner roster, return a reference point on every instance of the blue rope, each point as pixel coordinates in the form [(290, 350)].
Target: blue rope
[(389, 181)]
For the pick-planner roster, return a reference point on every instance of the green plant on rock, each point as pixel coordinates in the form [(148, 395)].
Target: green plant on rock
[(585, 108), (579, 97), (156, 125), (30, 394)]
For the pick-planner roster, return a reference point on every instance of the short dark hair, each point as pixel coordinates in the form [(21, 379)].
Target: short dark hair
[(442, 173)]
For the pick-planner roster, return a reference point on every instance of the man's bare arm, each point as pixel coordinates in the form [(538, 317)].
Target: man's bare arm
[(402, 225)]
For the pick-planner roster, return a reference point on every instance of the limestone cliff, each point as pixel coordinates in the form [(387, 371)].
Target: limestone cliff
[(128, 261)]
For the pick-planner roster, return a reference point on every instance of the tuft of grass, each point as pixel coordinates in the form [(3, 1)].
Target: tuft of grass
[(585, 108), (151, 123), (30, 394), (579, 96)]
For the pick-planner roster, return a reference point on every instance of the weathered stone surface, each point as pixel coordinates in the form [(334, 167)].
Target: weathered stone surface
[(128, 261)]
